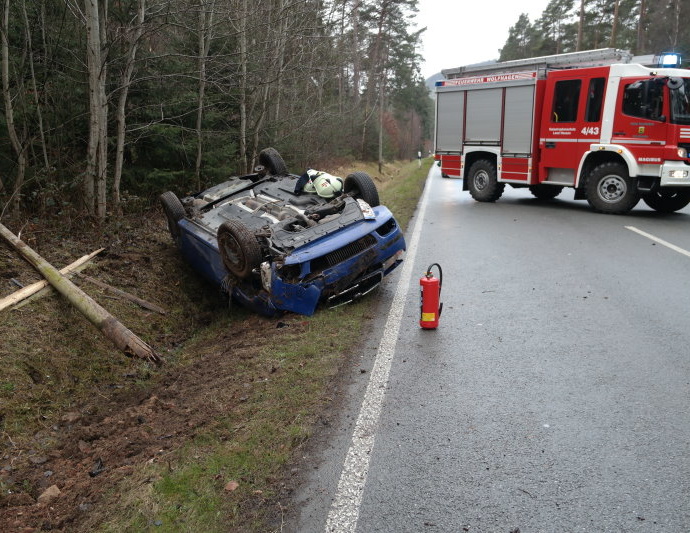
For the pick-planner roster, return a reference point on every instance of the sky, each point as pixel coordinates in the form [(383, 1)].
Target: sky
[(462, 32)]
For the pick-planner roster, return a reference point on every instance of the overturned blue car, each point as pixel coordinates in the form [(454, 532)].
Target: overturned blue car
[(276, 241)]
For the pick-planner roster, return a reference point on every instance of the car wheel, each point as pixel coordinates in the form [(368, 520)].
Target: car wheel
[(545, 192), (174, 212), (667, 201), (360, 185), (270, 159), (483, 183), (611, 190), (239, 249)]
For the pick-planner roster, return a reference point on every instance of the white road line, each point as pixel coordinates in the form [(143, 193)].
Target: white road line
[(660, 241), (344, 512)]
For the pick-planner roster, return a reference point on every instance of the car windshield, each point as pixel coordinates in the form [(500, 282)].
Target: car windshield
[(680, 102)]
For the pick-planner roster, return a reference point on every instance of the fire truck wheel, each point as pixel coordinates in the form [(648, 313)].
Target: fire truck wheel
[(667, 201), (238, 247), (483, 183), (545, 192), (611, 190)]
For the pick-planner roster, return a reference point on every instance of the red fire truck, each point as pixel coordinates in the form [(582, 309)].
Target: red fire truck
[(615, 130)]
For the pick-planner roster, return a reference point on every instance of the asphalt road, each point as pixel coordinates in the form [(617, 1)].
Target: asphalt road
[(554, 395)]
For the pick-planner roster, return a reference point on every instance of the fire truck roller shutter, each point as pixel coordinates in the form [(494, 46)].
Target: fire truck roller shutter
[(484, 109), (450, 109), (517, 125)]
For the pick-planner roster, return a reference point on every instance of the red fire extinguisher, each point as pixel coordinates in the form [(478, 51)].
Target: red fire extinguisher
[(430, 304)]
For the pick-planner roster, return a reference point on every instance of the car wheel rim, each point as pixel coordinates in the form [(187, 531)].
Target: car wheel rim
[(612, 189), (481, 178)]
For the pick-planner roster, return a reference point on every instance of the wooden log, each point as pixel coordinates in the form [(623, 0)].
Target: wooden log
[(121, 337), (124, 294), (32, 289)]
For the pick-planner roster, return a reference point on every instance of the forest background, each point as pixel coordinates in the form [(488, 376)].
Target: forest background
[(107, 103)]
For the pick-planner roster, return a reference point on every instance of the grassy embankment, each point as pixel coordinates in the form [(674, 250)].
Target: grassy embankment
[(262, 397)]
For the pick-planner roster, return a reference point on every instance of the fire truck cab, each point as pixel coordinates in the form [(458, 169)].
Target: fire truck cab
[(614, 130)]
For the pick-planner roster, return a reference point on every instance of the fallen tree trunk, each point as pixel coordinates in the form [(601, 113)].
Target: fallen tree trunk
[(32, 289), (125, 295), (120, 336)]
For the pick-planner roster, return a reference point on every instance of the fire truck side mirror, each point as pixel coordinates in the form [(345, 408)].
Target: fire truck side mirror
[(674, 83)]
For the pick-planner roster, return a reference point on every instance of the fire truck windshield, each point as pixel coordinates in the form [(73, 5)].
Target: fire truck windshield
[(680, 100), (645, 99)]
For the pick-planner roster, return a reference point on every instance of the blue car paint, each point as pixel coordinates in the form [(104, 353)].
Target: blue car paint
[(304, 297), (200, 249), (300, 298), (338, 239)]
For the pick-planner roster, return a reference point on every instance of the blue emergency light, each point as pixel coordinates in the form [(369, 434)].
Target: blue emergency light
[(668, 60)]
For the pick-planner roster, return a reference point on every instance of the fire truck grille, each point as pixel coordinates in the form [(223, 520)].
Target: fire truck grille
[(342, 254)]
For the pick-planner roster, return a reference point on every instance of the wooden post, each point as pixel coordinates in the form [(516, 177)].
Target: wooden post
[(112, 328)]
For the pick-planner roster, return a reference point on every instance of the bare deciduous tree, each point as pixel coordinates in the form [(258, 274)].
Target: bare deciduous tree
[(18, 144), (96, 160), (132, 40), (206, 12)]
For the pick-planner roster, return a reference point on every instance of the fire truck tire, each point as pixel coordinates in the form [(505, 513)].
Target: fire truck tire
[(545, 192), (174, 212), (483, 182), (360, 185), (667, 201), (611, 190), (239, 249)]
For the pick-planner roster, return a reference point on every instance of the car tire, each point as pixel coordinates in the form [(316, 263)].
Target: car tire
[(174, 212), (545, 192), (239, 249), (360, 185), (271, 160), (483, 183), (667, 201), (611, 190)]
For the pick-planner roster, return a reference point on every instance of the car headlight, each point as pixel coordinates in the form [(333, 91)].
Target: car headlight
[(682, 152)]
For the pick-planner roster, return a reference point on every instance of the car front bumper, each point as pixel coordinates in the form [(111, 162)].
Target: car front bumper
[(334, 270), (352, 270)]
